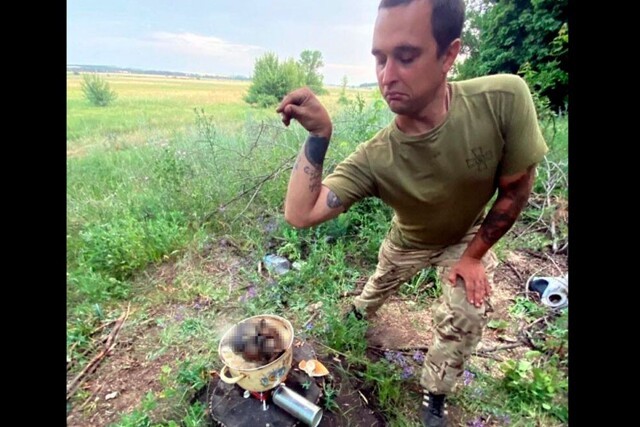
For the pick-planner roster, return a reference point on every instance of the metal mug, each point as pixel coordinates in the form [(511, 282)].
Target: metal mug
[(297, 405)]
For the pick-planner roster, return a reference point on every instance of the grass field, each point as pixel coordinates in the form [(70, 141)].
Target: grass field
[(157, 107)]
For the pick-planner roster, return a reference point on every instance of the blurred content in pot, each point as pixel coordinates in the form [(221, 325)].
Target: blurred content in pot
[(257, 341)]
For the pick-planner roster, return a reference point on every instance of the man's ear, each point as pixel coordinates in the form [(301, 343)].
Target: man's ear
[(450, 55)]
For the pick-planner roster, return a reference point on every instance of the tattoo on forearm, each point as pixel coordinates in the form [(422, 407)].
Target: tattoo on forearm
[(501, 218), (333, 201), (495, 225), (315, 178), (315, 148)]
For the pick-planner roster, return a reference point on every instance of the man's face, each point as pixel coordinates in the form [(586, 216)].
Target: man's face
[(409, 72)]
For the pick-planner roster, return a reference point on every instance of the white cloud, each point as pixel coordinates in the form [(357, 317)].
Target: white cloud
[(197, 45)]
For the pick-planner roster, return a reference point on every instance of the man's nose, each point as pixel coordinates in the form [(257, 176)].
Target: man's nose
[(389, 72)]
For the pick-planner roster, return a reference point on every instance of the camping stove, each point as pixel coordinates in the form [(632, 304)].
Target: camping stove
[(293, 402), (262, 396)]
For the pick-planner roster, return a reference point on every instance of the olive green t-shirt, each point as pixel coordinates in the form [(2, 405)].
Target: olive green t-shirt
[(439, 183)]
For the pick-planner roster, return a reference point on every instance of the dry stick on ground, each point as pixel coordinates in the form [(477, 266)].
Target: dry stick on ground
[(332, 349), (489, 356), (72, 362), (500, 347), (408, 351), (313, 316), (508, 264), (93, 395), (101, 327), (534, 254), (350, 293), (560, 272), (93, 364)]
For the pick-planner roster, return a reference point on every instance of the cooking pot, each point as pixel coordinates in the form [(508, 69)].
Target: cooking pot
[(251, 375)]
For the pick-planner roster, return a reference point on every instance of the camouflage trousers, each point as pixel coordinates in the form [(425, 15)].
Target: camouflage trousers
[(458, 324)]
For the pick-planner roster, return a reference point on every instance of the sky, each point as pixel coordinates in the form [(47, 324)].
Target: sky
[(222, 37)]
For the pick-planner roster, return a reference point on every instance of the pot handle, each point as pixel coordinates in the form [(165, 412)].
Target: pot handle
[(228, 380)]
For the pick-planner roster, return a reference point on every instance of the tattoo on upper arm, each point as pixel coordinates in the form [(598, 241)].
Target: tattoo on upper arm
[(332, 200)]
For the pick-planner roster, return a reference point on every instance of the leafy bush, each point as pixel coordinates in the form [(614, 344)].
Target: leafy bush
[(120, 247), (273, 79), (97, 90), (530, 387)]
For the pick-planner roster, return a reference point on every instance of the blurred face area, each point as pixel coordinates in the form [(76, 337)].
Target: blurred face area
[(410, 75)]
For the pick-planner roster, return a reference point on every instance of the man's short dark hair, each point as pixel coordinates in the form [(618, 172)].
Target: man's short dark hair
[(446, 20)]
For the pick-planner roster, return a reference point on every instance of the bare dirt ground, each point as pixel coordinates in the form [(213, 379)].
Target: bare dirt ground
[(127, 374)]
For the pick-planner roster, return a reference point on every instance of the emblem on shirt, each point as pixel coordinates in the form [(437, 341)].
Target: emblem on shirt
[(479, 159)]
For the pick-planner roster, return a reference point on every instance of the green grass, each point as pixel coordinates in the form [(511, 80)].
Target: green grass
[(150, 108), (155, 178)]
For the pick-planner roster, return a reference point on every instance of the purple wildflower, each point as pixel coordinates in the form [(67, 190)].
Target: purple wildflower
[(251, 293), (406, 372), (468, 377), (476, 423), (418, 356), (401, 361), (396, 358), (309, 326)]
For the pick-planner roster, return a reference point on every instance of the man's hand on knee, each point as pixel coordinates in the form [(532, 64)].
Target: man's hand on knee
[(474, 277)]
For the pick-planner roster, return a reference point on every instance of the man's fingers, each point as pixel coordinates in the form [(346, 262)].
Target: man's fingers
[(470, 289), (293, 111), (480, 291), (290, 112), (297, 97), (452, 279)]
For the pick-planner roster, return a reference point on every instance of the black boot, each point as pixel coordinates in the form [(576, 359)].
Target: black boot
[(433, 412), (357, 314)]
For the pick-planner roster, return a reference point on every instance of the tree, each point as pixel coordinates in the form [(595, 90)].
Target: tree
[(97, 90), (273, 79), (527, 37), (310, 61)]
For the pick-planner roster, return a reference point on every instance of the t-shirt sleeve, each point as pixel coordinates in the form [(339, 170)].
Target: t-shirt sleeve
[(524, 143), (352, 179)]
